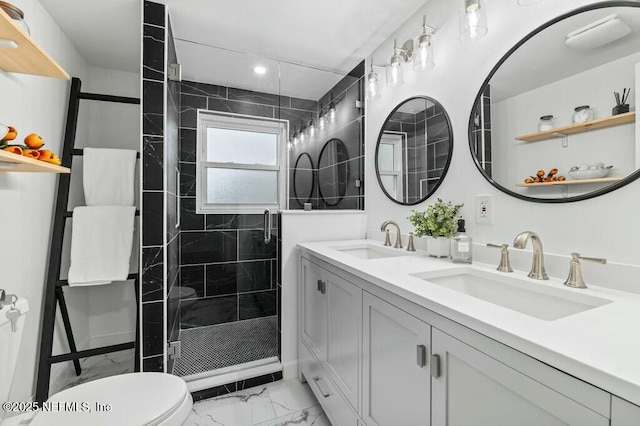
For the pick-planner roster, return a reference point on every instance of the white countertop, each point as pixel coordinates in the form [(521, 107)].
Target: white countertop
[(600, 346)]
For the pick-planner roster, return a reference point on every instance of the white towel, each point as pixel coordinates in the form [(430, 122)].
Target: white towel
[(101, 241), (108, 176)]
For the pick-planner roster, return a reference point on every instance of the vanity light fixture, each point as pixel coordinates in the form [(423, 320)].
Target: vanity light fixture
[(332, 111), (373, 84), (473, 19), (395, 76), (302, 135), (423, 57), (322, 119), (312, 129)]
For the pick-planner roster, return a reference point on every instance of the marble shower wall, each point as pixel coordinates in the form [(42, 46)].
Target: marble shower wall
[(159, 211), (349, 128)]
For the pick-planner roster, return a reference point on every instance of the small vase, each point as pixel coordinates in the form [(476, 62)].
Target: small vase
[(438, 247)]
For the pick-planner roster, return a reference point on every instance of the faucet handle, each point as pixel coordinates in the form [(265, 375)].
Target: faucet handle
[(575, 278), (505, 263), (387, 238), (3, 298), (410, 246)]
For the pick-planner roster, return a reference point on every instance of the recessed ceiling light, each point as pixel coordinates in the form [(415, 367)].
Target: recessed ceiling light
[(260, 70)]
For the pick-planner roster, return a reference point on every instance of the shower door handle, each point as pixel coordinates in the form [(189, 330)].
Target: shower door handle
[(267, 226)]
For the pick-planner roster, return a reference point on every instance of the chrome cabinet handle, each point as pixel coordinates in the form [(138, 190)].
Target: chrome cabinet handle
[(435, 366), (322, 286), (421, 351), (325, 393)]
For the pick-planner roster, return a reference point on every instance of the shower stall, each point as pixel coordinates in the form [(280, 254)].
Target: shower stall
[(216, 174)]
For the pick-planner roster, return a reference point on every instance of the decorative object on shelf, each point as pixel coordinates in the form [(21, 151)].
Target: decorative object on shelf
[(582, 114), (15, 14), (621, 102), (437, 223), (546, 123), (591, 171), (542, 177), (473, 19), (572, 129), (31, 148)]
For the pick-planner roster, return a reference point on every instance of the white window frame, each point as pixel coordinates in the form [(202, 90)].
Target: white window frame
[(221, 120), (398, 140)]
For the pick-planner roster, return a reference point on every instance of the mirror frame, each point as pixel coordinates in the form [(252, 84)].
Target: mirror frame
[(313, 179), (627, 180), (450, 152), (324, 147)]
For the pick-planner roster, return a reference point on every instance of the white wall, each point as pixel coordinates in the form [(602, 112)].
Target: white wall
[(605, 226), (35, 104), (299, 226), (38, 104)]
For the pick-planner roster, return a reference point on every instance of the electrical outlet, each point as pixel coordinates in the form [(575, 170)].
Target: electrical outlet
[(484, 209)]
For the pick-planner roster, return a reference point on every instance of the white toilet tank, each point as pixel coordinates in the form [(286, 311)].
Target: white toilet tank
[(10, 346)]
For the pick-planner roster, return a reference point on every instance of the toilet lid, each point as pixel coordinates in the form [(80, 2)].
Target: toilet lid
[(136, 399)]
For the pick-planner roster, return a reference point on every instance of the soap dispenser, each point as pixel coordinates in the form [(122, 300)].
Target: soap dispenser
[(461, 245)]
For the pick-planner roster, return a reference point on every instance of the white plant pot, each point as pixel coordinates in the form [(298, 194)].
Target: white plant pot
[(438, 247)]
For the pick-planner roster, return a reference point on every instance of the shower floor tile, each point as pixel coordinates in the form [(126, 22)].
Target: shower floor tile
[(280, 403), (219, 346)]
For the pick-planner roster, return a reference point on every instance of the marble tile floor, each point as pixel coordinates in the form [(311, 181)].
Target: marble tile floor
[(286, 402), (93, 368)]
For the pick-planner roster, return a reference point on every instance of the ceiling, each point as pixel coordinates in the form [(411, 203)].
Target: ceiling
[(331, 35), (545, 58)]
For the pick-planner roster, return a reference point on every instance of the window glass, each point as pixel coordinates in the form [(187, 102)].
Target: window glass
[(386, 162), (241, 186), (241, 147)]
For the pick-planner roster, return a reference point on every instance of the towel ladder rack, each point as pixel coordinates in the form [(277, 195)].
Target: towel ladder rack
[(54, 294)]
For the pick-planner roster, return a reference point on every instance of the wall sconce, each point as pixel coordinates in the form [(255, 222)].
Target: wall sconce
[(395, 75), (322, 119), (473, 19), (332, 110), (302, 136), (374, 91), (312, 129), (423, 59)]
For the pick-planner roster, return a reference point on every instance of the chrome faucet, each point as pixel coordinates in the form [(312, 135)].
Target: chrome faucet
[(387, 241), (537, 267)]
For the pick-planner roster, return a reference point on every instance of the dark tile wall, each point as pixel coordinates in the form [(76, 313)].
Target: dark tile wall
[(227, 272), (482, 127), (154, 250), (349, 128)]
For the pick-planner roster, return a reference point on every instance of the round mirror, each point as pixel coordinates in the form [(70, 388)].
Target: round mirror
[(333, 170), (414, 150), (555, 119), (303, 179)]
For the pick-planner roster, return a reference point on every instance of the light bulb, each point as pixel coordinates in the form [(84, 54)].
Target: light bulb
[(473, 19), (322, 120), (312, 129), (373, 85), (332, 113)]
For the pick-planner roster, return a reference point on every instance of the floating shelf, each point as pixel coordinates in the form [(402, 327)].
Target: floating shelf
[(572, 129), (28, 57), (570, 182), (17, 163)]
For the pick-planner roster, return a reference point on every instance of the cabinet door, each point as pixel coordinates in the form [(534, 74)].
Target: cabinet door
[(624, 413), (314, 307), (475, 389), (343, 340), (396, 380)]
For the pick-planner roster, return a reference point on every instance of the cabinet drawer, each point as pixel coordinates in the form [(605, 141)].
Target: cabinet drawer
[(333, 403)]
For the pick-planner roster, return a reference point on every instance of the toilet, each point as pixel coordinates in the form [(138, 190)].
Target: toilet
[(136, 399)]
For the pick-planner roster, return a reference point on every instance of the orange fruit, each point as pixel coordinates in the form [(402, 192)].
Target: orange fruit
[(14, 149), (11, 135), (31, 153), (34, 141)]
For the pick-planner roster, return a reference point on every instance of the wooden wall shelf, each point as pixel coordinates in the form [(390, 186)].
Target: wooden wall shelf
[(572, 129), (570, 182), (28, 57), (17, 163)]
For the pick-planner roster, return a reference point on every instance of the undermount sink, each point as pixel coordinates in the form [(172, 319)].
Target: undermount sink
[(524, 296), (368, 251)]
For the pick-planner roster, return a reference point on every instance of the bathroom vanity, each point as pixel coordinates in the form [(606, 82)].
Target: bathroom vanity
[(387, 337)]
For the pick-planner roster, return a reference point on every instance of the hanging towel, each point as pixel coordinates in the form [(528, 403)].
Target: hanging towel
[(101, 241), (108, 176)]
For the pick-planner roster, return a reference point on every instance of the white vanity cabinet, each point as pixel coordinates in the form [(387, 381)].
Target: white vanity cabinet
[(331, 315), (396, 382), (624, 413), (472, 388)]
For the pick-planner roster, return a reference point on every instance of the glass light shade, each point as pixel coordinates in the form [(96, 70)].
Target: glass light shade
[(322, 120), (423, 55), (473, 19), (312, 129), (395, 76), (373, 85), (332, 113)]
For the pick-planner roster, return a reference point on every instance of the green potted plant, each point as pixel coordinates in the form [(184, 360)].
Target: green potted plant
[(437, 224)]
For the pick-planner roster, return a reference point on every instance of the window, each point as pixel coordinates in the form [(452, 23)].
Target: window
[(390, 163), (240, 163)]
